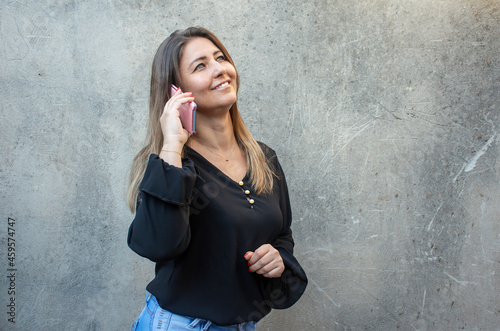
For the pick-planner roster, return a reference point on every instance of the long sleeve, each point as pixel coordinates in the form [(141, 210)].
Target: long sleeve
[(160, 229), (197, 223), (283, 292)]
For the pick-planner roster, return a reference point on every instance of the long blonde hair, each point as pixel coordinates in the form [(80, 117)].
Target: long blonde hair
[(165, 71)]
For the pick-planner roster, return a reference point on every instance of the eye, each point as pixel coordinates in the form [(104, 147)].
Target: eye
[(221, 58), (199, 67)]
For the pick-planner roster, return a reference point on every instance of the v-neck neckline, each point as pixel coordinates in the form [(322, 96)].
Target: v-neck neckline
[(202, 158)]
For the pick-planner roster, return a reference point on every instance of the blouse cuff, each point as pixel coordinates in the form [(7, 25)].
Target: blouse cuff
[(285, 291), (169, 183)]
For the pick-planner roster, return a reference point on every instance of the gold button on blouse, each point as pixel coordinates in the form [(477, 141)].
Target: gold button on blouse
[(240, 183), (251, 201), (247, 192)]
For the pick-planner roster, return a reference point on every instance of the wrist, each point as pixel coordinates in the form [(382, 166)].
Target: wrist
[(169, 151), (171, 155), (172, 147)]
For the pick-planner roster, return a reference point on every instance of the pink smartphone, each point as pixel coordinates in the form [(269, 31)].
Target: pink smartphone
[(187, 113)]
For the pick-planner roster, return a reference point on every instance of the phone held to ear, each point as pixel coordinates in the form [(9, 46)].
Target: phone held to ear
[(187, 113)]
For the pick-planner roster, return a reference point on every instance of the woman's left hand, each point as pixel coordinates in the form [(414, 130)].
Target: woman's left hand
[(265, 261)]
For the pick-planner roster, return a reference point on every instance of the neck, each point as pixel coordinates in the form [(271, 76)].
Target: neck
[(215, 133)]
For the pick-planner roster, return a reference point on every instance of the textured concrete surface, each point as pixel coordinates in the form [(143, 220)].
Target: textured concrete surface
[(384, 113)]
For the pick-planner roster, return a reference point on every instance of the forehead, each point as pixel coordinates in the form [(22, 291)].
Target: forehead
[(196, 48)]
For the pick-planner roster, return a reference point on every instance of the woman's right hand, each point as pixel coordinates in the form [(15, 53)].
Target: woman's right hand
[(174, 135)]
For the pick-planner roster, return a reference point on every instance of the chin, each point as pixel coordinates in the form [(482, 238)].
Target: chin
[(229, 101)]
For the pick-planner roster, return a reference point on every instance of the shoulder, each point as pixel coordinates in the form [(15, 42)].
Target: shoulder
[(268, 151), (271, 159)]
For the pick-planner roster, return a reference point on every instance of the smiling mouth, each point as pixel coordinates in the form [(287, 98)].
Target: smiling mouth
[(221, 86)]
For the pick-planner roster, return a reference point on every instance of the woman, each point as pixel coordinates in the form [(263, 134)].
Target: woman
[(211, 209)]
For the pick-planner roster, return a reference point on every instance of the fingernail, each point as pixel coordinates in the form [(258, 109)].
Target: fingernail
[(249, 264), (249, 270), (246, 254)]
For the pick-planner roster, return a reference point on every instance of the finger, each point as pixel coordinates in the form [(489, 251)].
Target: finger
[(261, 262), (180, 93), (267, 263), (181, 98), (273, 269), (248, 255), (259, 253), (173, 105), (275, 273), (174, 91)]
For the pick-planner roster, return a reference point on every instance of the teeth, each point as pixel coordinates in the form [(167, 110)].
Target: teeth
[(221, 85)]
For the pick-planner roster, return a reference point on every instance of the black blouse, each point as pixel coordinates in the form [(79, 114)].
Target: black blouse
[(196, 223)]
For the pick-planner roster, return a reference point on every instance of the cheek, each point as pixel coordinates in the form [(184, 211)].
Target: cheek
[(194, 84), (234, 76), (231, 71)]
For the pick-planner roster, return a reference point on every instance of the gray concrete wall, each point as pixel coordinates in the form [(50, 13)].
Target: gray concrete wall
[(384, 113)]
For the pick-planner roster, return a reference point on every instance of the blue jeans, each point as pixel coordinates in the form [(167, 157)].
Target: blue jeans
[(153, 317)]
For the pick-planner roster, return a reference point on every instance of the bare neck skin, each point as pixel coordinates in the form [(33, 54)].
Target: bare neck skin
[(215, 141), (214, 132)]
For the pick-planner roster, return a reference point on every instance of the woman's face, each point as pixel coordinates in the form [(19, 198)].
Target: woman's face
[(205, 71)]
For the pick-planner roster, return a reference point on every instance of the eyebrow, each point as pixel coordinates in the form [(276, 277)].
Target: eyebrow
[(203, 58)]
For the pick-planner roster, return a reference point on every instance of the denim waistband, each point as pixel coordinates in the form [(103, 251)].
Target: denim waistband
[(192, 322)]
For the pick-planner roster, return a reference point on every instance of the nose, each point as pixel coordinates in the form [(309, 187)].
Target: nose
[(219, 70)]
